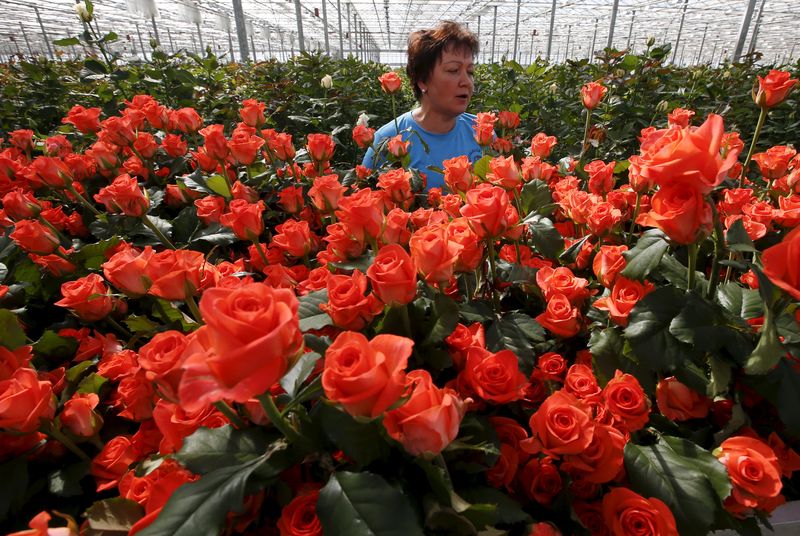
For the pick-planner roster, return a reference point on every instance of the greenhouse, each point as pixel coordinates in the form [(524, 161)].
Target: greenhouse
[(399, 268)]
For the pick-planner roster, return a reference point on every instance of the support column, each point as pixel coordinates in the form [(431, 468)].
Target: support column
[(341, 35), (479, 35), (325, 26), (155, 28), (702, 44), (200, 38), (44, 34), (744, 29), (630, 30), (550, 34), (494, 31), (299, 15), (241, 30), (594, 40), (566, 48), (614, 9), (754, 39), (25, 36), (141, 43), (349, 32), (680, 31), (230, 44), (516, 29), (171, 44)]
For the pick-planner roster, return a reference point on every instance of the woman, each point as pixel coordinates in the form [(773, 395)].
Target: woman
[(440, 65)]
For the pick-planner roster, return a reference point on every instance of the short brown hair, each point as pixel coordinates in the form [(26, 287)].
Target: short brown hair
[(425, 49)]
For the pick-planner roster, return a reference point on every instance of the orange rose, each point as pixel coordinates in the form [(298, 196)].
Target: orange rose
[(397, 147), (320, 147), (363, 213), (210, 208), (626, 512), (592, 93), (244, 146), (773, 88), (433, 253), (460, 231), (112, 462), (486, 209), (581, 382), (429, 420), (252, 112), (396, 185), (601, 176), (602, 460), (295, 238), (542, 144), (390, 82), (11, 360), (25, 400), (126, 268), (494, 377), (781, 266), (175, 274), (774, 162), (34, 237), (680, 117), (216, 145), (244, 219), (363, 136), (677, 402), (503, 172), (87, 120), (626, 401), (560, 317), (458, 174), (252, 334), (393, 276), (608, 263), (681, 212), (175, 423), (625, 294), (395, 227), (366, 377), (326, 192), (78, 415), (562, 281), (160, 357), (562, 425), (124, 195), (754, 471), (691, 156), (348, 305), (462, 339), (88, 297), (186, 120)]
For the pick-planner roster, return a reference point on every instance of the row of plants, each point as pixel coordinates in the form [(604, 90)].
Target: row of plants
[(220, 327)]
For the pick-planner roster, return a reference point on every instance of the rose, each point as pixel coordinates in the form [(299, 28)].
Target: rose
[(326, 192), (773, 88), (395, 227), (363, 136), (504, 172), (78, 415), (175, 274), (681, 212), (754, 471), (124, 195), (581, 382), (780, 263), (625, 294), (25, 400), (244, 146), (362, 212), (126, 268), (326, 82), (176, 423), (486, 209), (87, 120), (281, 144), (159, 357), (34, 237), (602, 460), (601, 176), (366, 377), (774, 162), (396, 185), (186, 120), (462, 339), (551, 366), (244, 219), (216, 146), (626, 401), (112, 462), (626, 512), (592, 93), (540, 480), (295, 238), (677, 402), (393, 276), (562, 281), (252, 113), (680, 117), (608, 262), (460, 231), (210, 208), (20, 204), (562, 425), (11, 360), (88, 297), (495, 377), (429, 420), (299, 517), (390, 82), (348, 304), (691, 157), (544, 528), (560, 317), (504, 470), (291, 199), (145, 144), (397, 147), (508, 120), (458, 174), (320, 147), (433, 253), (542, 144)]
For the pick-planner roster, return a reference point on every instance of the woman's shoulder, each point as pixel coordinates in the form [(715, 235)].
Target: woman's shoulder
[(389, 129)]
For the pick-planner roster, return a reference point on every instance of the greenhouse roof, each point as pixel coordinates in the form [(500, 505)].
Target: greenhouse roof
[(704, 31)]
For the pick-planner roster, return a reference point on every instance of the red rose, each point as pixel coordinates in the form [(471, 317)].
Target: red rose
[(462, 339), (390, 82), (348, 305), (244, 219), (295, 238), (210, 208), (540, 480), (159, 358), (608, 263), (78, 415), (433, 253), (24, 401), (542, 144), (754, 472), (244, 146), (299, 517), (624, 296), (560, 317), (124, 195), (87, 120), (145, 145), (602, 460), (395, 227), (366, 377), (186, 120), (174, 145), (581, 382), (176, 423), (562, 281), (20, 204), (773, 88), (625, 512), (592, 93), (11, 360), (252, 334), (429, 420), (502, 473), (216, 145), (508, 120), (326, 192), (552, 366), (781, 266), (363, 136), (34, 237), (252, 112), (458, 174), (175, 274), (112, 462), (677, 402), (627, 402), (320, 147), (88, 297), (681, 212), (495, 377), (393, 276), (562, 425), (486, 209), (126, 270)]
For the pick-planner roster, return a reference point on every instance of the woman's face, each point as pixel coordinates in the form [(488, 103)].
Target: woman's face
[(449, 86)]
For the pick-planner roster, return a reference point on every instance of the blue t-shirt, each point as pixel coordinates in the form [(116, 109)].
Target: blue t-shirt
[(459, 141)]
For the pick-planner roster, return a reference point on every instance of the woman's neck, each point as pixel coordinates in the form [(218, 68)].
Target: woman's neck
[(432, 121)]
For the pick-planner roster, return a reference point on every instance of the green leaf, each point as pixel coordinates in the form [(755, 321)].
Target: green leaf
[(13, 491), (481, 167), (517, 332), (141, 324), (216, 234), (75, 373), (780, 386), (508, 511), (649, 330), (769, 351), (476, 311), (741, 302), (362, 441), (546, 238), (646, 255), (12, 336), (92, 256), (217, 184), (608, 351), (676, 273), (317, 344), (704, 461), (113, 516), (296, 375), (364, 504), (361, 263), (199, 508), (535, 197), (570, 255), (110, 37), (210, 449), (443, 320), (95, 66), (311, 316), (52, 346), (737, 237), (91, 384), (67, 41), (681, 481), (67, 482)]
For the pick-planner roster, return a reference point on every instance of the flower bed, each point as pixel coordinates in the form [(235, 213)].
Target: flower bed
[(210, 329)]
